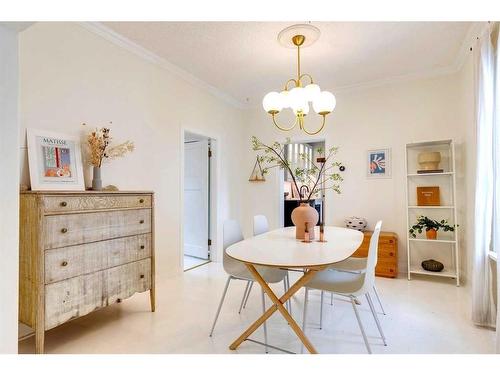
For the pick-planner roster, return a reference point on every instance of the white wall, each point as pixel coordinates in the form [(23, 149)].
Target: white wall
[(9, 190), (69, 75), (380, 117)]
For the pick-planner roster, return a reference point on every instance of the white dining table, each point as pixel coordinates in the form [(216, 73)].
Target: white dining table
[(279, 248)]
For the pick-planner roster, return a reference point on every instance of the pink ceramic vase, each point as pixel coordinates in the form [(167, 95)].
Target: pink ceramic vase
[(301, 215)]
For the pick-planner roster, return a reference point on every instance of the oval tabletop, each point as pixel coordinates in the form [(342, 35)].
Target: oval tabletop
[(280, 248)]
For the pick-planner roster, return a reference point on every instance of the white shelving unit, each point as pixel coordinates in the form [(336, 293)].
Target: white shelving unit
[(445, 248)]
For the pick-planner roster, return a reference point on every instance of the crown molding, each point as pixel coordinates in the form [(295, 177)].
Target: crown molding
[(125, 43), (16, 26), (424, 74)]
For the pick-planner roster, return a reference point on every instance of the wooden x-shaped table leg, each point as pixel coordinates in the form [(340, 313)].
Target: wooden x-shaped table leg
[(279, 305)]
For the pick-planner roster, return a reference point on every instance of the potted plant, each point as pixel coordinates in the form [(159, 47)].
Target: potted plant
[(431, 227), (272, 156)]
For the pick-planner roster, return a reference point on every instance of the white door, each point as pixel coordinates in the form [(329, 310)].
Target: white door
[(196, 199)]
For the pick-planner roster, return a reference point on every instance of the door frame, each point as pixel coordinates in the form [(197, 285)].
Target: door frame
[(281, 174), (214, 178)]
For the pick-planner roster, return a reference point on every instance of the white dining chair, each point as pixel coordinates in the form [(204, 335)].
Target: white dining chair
[(357, 265), (237, 270), (351, 285), (260, 226)]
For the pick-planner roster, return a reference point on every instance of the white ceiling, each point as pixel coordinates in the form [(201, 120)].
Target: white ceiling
[(244, 59)]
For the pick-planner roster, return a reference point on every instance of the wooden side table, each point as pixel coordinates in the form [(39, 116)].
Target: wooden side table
[(387, 265)]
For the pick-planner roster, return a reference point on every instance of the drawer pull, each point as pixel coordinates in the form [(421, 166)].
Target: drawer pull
[(142, 247), (64, 230), (141, 221), (118, 300), (142, 276), (141, 200), (64, 204), (64, 264), (391, 254), (391, 241)]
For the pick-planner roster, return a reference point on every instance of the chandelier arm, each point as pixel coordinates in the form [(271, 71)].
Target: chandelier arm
[(308, 76), (317, 131), (290, 80), (281, 128)]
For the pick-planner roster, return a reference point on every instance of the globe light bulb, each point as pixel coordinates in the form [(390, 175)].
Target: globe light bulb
[(297, 99), (304, 110), (312, 90), (272, 102), (324, 103), (285, 99)]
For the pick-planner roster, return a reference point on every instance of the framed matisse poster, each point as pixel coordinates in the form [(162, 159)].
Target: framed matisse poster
[(55, 161), (379, 163)]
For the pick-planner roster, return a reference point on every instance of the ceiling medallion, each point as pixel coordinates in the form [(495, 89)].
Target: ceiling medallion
[(295, 95)]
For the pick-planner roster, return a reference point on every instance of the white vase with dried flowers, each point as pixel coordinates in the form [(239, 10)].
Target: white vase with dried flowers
[(99, 150)]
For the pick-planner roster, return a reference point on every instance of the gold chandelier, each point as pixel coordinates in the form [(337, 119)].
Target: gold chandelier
[(295, 95)]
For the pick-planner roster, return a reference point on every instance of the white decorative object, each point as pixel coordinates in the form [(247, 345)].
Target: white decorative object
[(354, 222), (429, 161), (445, 248)]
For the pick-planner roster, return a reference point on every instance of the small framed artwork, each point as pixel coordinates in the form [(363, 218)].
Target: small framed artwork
[(379, 163), (55, 161)]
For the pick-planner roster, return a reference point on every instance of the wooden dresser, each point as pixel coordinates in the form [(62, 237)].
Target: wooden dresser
[(387, 264), (80, 251)]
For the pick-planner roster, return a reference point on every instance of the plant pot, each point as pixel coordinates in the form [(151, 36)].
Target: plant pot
[(96, 179), (301, 215), (431, 234)]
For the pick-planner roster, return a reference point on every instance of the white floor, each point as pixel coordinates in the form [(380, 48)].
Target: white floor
[(423, 317), (191, 262)]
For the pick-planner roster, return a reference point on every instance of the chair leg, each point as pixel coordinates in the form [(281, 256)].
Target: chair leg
[(263, 311), (304, 316), (374, 313), (378, 299), (321, 311), (331, 299), (244, 296), (248, 294), (220, 304), (360, 325)]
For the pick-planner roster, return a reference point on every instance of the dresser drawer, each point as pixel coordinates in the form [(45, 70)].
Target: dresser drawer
[(387, 251), (74, 229), (386, 269), (69, 203), (67, 262), (124, 281), (78, 296)]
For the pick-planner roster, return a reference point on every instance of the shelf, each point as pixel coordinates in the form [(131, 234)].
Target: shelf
[(444, 142), (430, 174), (431, 207), (443, 273), (446, 246), (426, 240)]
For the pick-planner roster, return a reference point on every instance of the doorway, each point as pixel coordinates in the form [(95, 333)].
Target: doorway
[(299, 155), (197, 200)]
